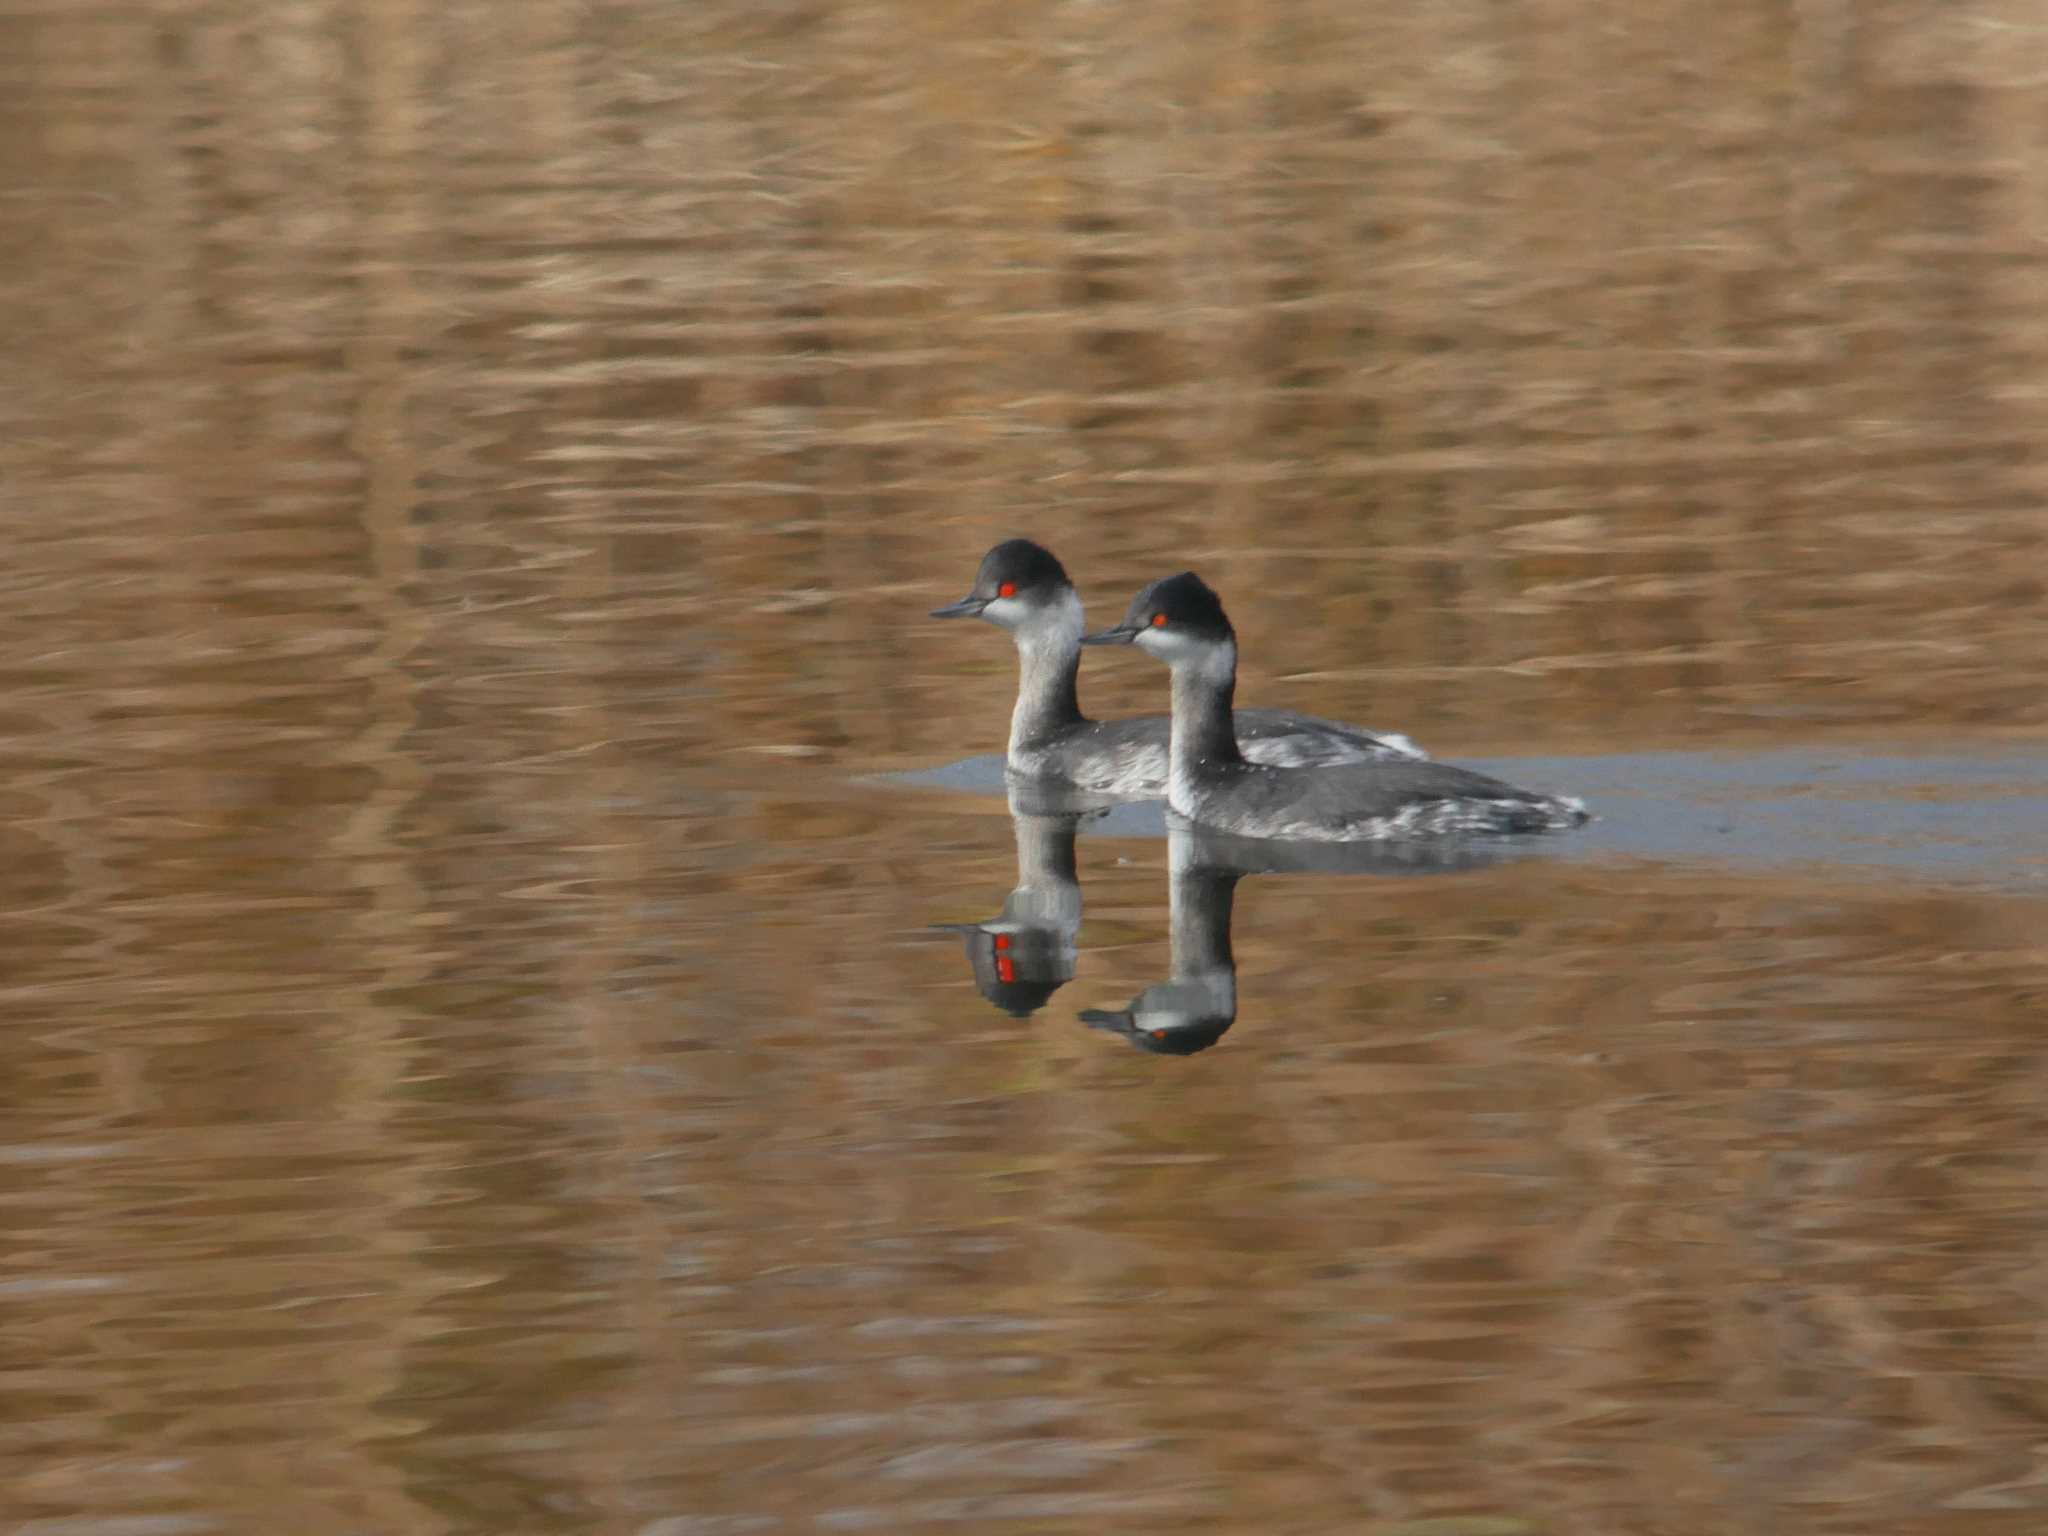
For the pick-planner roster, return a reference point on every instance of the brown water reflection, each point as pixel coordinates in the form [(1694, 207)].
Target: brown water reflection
[(478, 1059)]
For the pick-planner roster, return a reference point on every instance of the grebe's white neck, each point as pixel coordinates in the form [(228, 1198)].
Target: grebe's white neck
[(1048, 661)]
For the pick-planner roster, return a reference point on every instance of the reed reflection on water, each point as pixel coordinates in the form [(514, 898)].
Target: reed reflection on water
[(479, 1058)]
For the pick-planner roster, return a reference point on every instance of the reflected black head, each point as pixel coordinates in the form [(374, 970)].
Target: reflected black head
[(1017, 969), (1183, 1040)]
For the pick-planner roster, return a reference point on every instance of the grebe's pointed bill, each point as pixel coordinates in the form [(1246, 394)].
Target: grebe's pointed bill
[(969, 607), (1122, 634)]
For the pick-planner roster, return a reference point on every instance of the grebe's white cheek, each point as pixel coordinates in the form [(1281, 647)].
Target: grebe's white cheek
[(1006, 612), (1169, 645)]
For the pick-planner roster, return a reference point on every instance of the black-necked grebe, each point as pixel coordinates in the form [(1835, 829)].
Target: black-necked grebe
[(1179, 620), (1022, 588)]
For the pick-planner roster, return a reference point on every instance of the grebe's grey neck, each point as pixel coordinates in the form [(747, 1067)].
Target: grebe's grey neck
[(1204, 686), (1048, 667)]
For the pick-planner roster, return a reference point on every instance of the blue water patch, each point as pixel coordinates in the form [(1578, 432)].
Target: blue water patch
[(1976, 817)]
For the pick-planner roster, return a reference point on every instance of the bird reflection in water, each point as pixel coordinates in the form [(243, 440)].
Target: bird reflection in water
[(1026, 952), (1191, 1010), (1195, 1007)]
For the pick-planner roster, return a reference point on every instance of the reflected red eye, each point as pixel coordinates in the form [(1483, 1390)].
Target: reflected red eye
[(1159, 621), (1007, 589)]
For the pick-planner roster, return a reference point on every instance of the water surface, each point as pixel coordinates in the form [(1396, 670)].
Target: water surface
[(480, 1056)]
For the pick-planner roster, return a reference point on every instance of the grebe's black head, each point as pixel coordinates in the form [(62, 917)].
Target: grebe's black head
[(1175, 618), (1017, 580)]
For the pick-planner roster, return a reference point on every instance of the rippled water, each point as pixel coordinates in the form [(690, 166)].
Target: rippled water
[(481, 794)]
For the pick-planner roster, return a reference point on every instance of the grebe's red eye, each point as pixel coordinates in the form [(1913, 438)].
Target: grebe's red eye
[(1159, 621), (1007, 589)]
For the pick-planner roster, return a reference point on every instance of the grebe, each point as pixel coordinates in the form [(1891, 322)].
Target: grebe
[(1022, 588), (1212, 781)]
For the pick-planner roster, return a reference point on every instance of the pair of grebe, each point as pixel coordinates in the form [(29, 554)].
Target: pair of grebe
[(1262, 773)]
